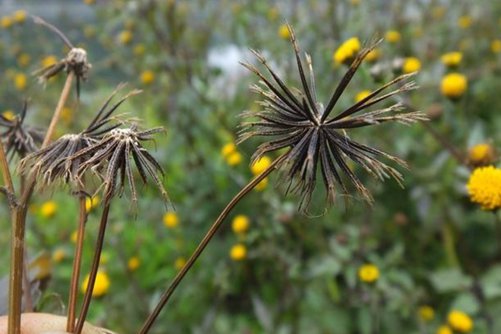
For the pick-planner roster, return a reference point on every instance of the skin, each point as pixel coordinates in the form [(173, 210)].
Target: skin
[(43, 323)]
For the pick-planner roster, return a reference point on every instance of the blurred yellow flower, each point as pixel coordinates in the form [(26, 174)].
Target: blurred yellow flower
[(240, 224), (426, 313), (89, 31), (238, 252), (48, 209), (368, 273), (355, 2), (89, 2), (481, 154), (170, 219), (438, 12), (9, 115), (74, 236), (272, 13), (133, 263), (261, 165), (125, 37), (20, 81), (392, 36), (6, 22), (453, 85), (67, 115), (147, 77), (362, 95), (452, 59), (19, 16), (411, 64), (444, 329), (23, 59), (228, 149), (101, 285), (179, 263), (347, 51), (58, 255), (460, 321), (484, 187), (48, 61), (464, 21), (234, 159), (138, 49), (283, 31), (261, 185), (496, 46), (373, 55), (91, 203)]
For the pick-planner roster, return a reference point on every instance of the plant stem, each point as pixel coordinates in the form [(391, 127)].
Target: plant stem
[(77, 260), (446, 144), (19, 225), (94, 268), (201, 246)]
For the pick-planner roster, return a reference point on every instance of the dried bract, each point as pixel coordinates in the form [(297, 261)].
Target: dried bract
[(294, 119)]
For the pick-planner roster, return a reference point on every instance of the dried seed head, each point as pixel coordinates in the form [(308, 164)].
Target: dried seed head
[(18, 138), (294, 119)]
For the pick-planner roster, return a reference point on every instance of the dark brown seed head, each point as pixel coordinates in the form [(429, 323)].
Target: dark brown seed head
[(318, 141)]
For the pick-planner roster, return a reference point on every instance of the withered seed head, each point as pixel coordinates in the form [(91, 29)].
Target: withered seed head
[(17, 137), (294, 119)]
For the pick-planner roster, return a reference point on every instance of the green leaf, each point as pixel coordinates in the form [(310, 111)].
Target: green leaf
[(450, 280)]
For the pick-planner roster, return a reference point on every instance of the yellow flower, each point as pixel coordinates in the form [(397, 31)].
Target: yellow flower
[(48, 209), (238, 252), (19, 16), (362, 95), (411, 64), (481, 154), (261, 165), (496, 46), (179, 263), (240, 224), (125, 37), (373, 55), (171, 220), (393, 36), (347, 51), (147, 77), (261, 185), (453, 85), (234, 159), (48, 61), (228, 149), (6, 22), (484, 187), (91, 203), (460, 321), (67, 115), (444, 329), (368, 273), (138, 49), (438, 12), (74, 236), (101, 285), (20, 81), (272, 13), (283, 32), (133, 263), (89, 2), (452, 59), (355, 2), (426, 313), (89, 31), (464, 21), (23, 59), (9, 115), (58, 255)]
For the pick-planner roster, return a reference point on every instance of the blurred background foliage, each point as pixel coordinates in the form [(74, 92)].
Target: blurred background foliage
[(422, 259)]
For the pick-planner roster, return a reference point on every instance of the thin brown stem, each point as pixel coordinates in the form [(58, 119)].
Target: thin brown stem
[(201, 246), (94, 268), (445, 143), (77, 261), (19, 226)]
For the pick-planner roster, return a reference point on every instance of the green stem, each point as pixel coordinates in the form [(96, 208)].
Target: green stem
[(201, 246)]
